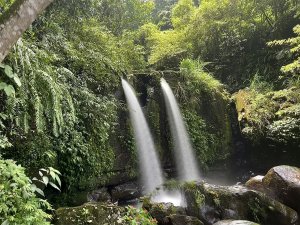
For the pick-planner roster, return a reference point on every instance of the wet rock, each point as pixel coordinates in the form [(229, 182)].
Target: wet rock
[(162, 211), (92, 214), (255, 183), (283, 183), (126, 192), (100, 195), (235, 222), (183, 220), (211, 203)]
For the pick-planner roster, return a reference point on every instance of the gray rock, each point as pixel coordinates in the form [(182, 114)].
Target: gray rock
[(93, 214), (283, 183), (212, 203), (255, 183), (235, 222), (126, 192), (100, 195)]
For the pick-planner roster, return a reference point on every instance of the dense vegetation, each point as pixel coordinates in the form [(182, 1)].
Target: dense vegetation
[(62, 106)]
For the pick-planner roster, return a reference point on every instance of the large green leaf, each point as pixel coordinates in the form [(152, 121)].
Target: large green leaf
[(8, 71), (9, 90), (17, 80), (2, 85)]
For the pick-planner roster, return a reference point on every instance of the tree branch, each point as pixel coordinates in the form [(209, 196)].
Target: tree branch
[(16, 20)]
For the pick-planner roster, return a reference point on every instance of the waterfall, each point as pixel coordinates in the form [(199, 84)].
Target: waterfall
[(150, 169), (184, 155)]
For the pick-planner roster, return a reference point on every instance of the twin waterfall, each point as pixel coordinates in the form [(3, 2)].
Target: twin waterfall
[(151, 171)]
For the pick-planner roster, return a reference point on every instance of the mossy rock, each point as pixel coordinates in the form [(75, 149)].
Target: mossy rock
[(162, 211), (90, 214), (211, 203)]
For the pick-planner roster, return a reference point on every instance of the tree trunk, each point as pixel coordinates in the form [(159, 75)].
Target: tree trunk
[(16, 20)]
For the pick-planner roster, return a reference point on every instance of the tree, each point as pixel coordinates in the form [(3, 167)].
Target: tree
[(16, 20), (293, 52)]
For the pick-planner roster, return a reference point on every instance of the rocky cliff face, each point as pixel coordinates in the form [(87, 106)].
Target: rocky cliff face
[(270, 123)]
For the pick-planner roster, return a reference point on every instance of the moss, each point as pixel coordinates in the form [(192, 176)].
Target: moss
[(90, 214), (195, 196), (273, 115), (258, 212)]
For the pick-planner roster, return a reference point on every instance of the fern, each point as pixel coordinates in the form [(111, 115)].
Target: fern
[(41, 95)]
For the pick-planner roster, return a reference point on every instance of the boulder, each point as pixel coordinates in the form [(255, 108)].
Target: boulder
[(212, 203), (283, 183), (92, 214), (100, 195), (235, 222), (183, 220), (255, 183), (127, 191), (162, 211)]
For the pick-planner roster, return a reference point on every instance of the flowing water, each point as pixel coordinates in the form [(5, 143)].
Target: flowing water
[(150, 169), (185, 159)]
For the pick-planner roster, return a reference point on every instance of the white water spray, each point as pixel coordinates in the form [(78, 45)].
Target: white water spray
[(151, 173), (184, 155)]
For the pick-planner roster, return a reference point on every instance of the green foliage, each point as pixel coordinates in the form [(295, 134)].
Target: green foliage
[(231, 35), (162, 44), (117, 16), (5, 4), (273, 115), (292, 69), (260, 85), (205, 103), (70, 62), (8, 79), (40, 98), (183, 13), (162, 13), (18, 203), (135, 216), (125, 15), (204, 81), (205, 143), (48, 176)]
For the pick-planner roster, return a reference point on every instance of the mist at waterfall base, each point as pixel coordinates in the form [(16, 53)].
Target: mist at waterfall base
[(150, 169)]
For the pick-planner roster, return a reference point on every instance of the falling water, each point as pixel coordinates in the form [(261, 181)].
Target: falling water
[(185, 159), (151, 173)]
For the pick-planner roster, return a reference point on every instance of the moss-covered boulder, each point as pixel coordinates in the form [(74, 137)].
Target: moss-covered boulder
[(211, 203), (235, 222), (92, 214), (283, 183), (162, 211)]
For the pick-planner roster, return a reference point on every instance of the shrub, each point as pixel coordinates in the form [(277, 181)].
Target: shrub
[(18, 203), (136, 216)]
